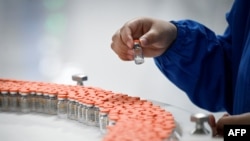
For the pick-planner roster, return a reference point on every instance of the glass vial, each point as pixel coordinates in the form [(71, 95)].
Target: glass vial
[(5, 101), (62, 106), (79, 111), (71, 108), (13, 99), (33, 101), (52, 102), (76, 106), (90, 114), (103, 120), (46, 105), (39, 102), (96, 113), (138, 54), (24, 102), (83, 112)]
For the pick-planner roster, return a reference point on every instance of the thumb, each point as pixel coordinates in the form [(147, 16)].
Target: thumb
[(148, 38)]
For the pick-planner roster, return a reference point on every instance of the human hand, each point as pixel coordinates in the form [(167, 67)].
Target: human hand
[(155, 37), (218, 128)]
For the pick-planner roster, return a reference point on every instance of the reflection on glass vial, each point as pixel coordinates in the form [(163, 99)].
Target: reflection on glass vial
[(46, 103), (52, 102), (33, 101), (96, 113), (62, 106), (39, 102), (84, 112), (79, 111), (76, 105), (24, 102), (138, 54), (90, 114), (71, 109), (13, 101), (5, 101), (103, 120)]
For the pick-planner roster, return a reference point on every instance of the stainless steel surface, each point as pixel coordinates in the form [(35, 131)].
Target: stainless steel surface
[(42, 127), (199, 119), (79, 78), (184, 127)]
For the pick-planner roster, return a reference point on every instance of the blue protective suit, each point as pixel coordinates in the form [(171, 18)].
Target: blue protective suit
[(213, 70)]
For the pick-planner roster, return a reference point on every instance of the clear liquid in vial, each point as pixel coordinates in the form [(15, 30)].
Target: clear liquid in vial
[(138, 56)]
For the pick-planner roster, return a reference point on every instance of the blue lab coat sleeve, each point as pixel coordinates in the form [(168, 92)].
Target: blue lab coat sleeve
[(194, 63), (213, 70)]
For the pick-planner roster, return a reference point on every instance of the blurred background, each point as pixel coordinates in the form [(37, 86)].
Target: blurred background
[(50, 40)]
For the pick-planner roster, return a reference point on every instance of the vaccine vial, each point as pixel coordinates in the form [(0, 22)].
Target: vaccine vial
[(33, 101), (5, 100), (96, 112), (39, 102), (76, 108), (62, 106), (103, 120), (24, 101), (13, 99), (71, 108), (52, 102), (90, 114), (46, 105), (138, 54), (83, 112), (79, 111)]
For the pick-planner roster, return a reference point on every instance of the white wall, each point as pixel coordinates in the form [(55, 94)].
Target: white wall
[(49, 41)]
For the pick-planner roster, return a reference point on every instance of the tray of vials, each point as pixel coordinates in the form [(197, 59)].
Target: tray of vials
[(117, 115)]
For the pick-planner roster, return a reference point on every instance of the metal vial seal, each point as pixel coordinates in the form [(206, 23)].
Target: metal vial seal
[(138, 54)]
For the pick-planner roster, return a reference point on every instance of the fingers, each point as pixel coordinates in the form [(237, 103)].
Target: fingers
[(122, 40), (225, 119), (212, 124), (131, 30), (155, 37), (148, 38), (120, 48), (126, 36)]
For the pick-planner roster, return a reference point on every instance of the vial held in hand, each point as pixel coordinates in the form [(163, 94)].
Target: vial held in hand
[(138, 56)]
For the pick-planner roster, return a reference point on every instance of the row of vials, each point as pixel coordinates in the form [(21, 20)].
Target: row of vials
[(118, 115)]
